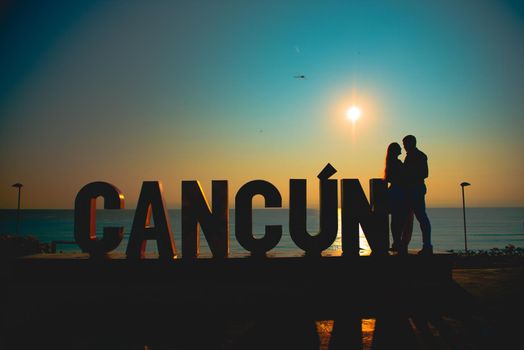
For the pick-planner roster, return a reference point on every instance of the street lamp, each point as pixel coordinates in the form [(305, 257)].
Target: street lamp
[(464, 184), (19, 186)]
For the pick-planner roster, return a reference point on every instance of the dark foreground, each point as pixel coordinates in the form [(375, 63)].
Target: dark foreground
[(280, 303)]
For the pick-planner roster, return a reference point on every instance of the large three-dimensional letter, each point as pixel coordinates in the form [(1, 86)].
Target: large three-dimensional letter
[(244, 217), (372, 216), (314, 245), (85, 218), (196, 213), (151, 202)]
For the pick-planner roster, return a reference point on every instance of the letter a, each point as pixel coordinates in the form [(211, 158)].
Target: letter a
[(150, 203)]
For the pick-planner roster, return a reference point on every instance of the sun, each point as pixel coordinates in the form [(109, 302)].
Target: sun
[(353, 113)]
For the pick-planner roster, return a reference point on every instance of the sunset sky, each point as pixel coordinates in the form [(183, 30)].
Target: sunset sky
[(128, 91)]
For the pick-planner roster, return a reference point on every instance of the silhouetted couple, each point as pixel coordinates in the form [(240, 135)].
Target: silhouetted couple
[(406, 194)]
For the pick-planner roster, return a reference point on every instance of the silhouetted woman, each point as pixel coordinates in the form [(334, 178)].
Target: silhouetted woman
[(394, 174)]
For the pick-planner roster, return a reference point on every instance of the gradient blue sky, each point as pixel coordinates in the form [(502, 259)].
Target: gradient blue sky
[(127, 91)]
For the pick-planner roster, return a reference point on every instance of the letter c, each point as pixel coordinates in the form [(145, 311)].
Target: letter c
[(85, 218)]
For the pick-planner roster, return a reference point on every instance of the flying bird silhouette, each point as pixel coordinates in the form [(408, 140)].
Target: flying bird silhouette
[(301, 76)]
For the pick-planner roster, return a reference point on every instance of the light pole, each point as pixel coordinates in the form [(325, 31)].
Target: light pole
[(19, 186), (464, 184)]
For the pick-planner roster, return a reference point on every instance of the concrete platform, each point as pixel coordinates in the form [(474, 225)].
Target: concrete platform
[(43, 294)]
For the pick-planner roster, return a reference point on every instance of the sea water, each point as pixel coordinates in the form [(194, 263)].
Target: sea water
[(486, 228)]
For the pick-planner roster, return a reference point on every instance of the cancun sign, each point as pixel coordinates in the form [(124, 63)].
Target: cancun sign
[(196, 213)]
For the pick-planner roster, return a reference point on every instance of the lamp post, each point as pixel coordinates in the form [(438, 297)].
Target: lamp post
[(464, 184), (19, 186)]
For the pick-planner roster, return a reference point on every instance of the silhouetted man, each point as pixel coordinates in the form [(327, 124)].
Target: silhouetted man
[(416, 170)]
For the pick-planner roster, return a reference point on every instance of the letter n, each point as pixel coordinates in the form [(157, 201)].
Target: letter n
[(372, 216), (196, 213)]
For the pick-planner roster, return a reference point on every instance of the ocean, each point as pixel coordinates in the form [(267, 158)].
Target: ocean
[(486, 228)]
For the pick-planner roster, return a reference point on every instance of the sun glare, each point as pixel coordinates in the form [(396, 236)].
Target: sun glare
[(353, 113)]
